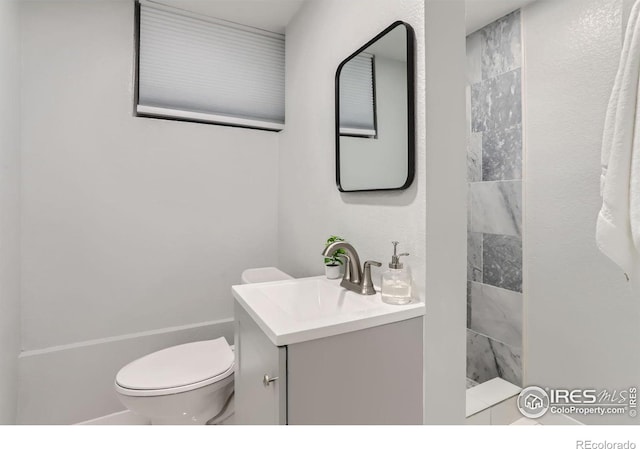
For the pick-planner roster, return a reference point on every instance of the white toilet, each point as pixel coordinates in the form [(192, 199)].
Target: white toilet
[(186, 384)]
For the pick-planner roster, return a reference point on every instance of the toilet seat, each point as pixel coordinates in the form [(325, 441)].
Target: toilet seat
[(177, 369)]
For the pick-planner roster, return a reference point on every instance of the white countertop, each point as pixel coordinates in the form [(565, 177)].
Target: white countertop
[(298, 310)]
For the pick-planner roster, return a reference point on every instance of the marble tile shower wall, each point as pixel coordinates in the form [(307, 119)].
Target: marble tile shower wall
[(494, 160)]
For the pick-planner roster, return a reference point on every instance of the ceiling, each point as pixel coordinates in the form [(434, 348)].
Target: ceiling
[(275, 15), (271, 15), (483, 12)]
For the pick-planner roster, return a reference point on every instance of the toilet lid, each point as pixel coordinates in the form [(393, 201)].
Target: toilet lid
[(178, 366)]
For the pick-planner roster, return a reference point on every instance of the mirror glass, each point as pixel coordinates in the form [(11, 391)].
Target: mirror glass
[(375, 114)]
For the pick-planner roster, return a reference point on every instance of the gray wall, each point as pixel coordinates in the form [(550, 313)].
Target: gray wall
[(494, 172), (446, 213), (9, 209)]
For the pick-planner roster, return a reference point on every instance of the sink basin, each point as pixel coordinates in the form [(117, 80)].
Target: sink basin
[(304, 309), (314, 299)]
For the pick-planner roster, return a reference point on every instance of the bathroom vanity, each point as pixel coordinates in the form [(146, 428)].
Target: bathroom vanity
[(311, 352)]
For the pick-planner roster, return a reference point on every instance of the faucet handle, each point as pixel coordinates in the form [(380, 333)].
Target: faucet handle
[(367, 283)]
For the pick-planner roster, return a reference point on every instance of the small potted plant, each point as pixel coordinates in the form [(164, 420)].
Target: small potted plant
[(332, 264)]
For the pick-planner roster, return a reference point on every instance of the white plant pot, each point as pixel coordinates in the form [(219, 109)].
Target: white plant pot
[(332, 271)]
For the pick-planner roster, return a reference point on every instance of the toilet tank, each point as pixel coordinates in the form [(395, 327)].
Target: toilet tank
[(265, 274)]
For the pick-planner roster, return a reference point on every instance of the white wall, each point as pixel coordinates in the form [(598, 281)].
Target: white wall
[(9, 208), (129, 224), (626, 11), (581, 317), (311, 208)]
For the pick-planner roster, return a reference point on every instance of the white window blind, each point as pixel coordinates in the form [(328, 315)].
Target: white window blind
[(357, 101), (198, 68)]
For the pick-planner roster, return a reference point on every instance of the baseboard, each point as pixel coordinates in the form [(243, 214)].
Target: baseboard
[(74, 383), (123, 418)]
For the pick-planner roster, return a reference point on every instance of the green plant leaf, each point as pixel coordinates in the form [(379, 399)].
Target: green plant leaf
[(334, 259)]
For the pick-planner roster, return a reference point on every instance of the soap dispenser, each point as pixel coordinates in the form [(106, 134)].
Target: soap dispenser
[(396, 281)]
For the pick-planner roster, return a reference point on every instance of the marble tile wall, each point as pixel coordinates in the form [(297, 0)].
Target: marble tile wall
[(494, 169), (488, 358), (496, 207), (497, 313), (502, 261)]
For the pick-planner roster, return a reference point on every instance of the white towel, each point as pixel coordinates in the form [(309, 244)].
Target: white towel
[(618, 226)]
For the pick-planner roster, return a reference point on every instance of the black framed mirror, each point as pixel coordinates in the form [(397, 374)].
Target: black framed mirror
[(375, 113)]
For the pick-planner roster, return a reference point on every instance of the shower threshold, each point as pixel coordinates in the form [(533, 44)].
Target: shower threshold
[(490, 394)]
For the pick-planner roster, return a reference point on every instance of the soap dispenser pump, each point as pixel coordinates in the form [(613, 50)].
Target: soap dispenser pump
[(396, 281)]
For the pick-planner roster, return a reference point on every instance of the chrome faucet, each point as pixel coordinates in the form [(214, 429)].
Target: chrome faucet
[(354, 278)]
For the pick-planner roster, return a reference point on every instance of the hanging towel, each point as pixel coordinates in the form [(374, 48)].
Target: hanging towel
[(618, 226)]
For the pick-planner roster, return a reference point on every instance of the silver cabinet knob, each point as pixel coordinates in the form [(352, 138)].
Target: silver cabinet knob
[(266, 380)]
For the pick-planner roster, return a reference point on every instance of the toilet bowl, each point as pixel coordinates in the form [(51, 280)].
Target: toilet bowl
[(190, 383), (184, 384)]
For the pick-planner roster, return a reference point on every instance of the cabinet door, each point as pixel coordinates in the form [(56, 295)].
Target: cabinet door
[(257, 402), (370, 376)]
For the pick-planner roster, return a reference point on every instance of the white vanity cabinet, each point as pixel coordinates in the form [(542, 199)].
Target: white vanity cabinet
[(365, 376)]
